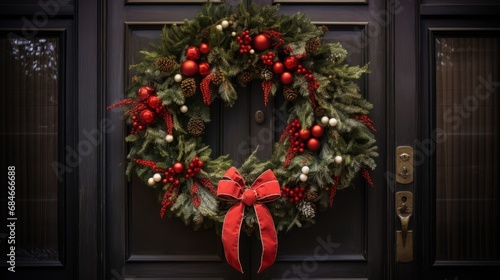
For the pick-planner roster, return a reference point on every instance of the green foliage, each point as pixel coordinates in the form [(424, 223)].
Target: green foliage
[(337, 93)]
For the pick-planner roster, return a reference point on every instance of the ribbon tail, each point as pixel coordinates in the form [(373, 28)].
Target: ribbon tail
[(268, 236), (231, 235)]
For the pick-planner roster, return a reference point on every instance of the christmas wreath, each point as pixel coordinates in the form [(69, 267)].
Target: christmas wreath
[(327, 141)]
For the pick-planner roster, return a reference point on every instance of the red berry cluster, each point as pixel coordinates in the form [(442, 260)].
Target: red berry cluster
[(176, 171), (308, 75), (294, 194), (145, 110), (173, 174), (296, 142), (268, 58), (194, 167), (244, 40), (275, 37)]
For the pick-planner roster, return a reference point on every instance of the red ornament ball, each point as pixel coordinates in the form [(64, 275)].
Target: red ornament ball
[(178, 167), (189, 68), (147, 116), (261, 42), (193, 53), (317, 130), (286, 78), (204, 48), (291, 63), (154, 102), (144, 92), (278, 68), (204, 68), (305, 134), (313, 144)]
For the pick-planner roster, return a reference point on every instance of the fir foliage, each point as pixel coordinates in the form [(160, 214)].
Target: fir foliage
[(337, 93)]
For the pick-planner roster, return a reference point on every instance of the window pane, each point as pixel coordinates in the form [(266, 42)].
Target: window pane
[(29, 129), (467, 175)]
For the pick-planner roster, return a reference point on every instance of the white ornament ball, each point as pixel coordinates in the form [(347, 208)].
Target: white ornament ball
[(333, 122), (157, 177), (169, 138), (303, 177), (224, 24), (233, 34), (338, 159), (178, 78), (324, 120), (184, 109), (219, 27), (305, 169), (252, 51), (151, 181)]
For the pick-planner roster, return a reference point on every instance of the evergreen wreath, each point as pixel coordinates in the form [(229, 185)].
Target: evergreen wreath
[(327, 141)]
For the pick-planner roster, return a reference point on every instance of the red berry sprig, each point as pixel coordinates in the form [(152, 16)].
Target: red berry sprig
[(294, 194), (296, 143), (244, 40), (312, 82), (268, 58), (206, 91), (168, 199), (366, 120), (367, 177)]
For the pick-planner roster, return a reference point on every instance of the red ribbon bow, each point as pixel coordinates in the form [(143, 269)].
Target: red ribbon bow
[(265, 189)]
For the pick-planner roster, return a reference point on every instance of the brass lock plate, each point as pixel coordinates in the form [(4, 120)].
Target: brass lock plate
[(404, 164)]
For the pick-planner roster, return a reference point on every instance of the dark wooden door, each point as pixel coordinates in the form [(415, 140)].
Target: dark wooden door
[(348, 241), (446, 108)]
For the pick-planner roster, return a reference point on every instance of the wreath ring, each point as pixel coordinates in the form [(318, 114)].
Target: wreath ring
[(326, 143)]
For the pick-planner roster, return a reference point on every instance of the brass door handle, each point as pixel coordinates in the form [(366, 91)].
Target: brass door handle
[(404, 237), (404, 214)]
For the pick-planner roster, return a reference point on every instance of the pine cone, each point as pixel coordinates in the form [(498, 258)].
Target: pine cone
[(218, 78), (205, 33), (312, 46), (188, 87), (198, 219), (245, 77), (196, 126), (289, 93), (166, 64), (319, 112), (266, 74), (307, 209), (248, 230), (134, 79), (311, 195), (325, 29)]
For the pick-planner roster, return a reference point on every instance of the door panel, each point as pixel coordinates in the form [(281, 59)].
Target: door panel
[(347, 240)]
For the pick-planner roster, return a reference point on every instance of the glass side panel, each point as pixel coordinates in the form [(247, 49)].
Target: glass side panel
[(467, 168), (29, 90)]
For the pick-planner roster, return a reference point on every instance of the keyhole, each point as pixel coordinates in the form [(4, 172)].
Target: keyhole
[(403, 199)]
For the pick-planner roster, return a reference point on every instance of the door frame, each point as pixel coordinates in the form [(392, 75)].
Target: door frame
[(91, 65)]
